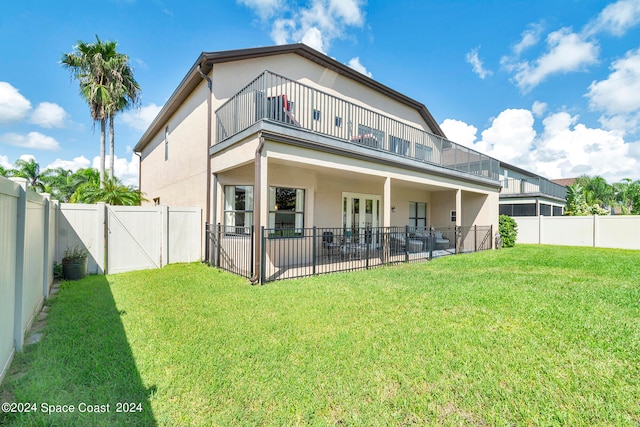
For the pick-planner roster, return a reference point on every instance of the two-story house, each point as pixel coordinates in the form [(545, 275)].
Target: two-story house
[(288, 145)]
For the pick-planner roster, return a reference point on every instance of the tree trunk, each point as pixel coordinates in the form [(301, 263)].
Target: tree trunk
[(111, 145), (102, 144)]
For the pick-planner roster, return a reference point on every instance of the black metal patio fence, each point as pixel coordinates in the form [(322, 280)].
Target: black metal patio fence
[(288, 253), (230, 248)]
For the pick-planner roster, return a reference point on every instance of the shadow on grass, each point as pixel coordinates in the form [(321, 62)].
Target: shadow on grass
[(83, 372)]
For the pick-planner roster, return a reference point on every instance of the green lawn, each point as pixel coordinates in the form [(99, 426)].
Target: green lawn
[(534, 335)]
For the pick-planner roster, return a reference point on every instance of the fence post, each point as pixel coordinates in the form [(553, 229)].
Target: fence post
[(252, 255), (46, 273), (475, 238), (431, 241), (218, 244), (406, 243), (367, 232), (164, 234), (455, 239), (263, 255), (207, 243), (102, 238), (21, 224), (314, 250)]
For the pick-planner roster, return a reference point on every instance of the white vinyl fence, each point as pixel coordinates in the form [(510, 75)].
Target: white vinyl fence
[(27, 239), (616, 231), (127, 238), (34, 232)]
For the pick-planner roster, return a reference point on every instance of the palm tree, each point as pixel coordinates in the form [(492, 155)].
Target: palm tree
[(125, 93), (83, 179), (104, 77), (113, 192), (597, 191), (29, 169), (59, 183)]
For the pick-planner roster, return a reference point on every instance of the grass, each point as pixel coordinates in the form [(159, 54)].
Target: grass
[(534, 335)]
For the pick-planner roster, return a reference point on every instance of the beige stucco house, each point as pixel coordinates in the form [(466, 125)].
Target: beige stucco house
[(287, 138)]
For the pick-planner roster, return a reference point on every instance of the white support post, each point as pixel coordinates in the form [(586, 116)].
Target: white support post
[(21, 228), (46, 271), (102, 238), (386, 218), (164, 236)]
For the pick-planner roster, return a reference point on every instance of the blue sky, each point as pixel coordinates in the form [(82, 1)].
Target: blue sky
[(552, 86)]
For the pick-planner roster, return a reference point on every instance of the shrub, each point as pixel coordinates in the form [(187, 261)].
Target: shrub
[(508, 229)]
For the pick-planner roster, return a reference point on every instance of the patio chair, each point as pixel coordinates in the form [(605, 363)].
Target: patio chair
[(329, 246), (441, 242), (399, 243)]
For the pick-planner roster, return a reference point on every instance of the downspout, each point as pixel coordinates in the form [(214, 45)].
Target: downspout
[(209, 111), (257, 209)]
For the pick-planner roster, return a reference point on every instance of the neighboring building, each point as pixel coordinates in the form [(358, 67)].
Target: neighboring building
[(287, 138), (527, 194)]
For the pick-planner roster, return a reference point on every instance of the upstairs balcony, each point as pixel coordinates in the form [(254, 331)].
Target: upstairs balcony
[(532, 187), (272, 97)]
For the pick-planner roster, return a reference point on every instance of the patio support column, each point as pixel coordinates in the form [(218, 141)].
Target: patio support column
[(260, 207), (459, 208), (386, 217)]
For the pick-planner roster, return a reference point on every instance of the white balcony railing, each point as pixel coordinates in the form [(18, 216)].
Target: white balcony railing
[(533, 186), (287, 102)]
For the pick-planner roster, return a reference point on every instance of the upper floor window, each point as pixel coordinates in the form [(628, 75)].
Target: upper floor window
[(399, 145), (316, 114), (423, 153), (338, 121)]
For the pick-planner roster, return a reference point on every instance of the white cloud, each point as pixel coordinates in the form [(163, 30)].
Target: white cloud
[(264, 8), (48, 115), (567, 52), (538, 108), (142, 118), (620, 92), (530, 37), (459, 132), (13, 106), (34, 140), (356, 65), (566, 148), (478, 68), (126, 170), (73, 165), (510, 136), (5, 163), (316, 25), (616, 18)]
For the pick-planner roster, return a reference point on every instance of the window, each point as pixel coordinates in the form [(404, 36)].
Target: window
[(423, 153), (545, 210), (398, 145), (369, 136), (338, 121), (166, 143), (286, 210), (316, 115), (557, 211), (452, 216), (238, 208), (418, 215)]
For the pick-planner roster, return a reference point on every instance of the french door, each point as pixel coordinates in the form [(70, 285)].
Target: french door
[(360, 211)]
